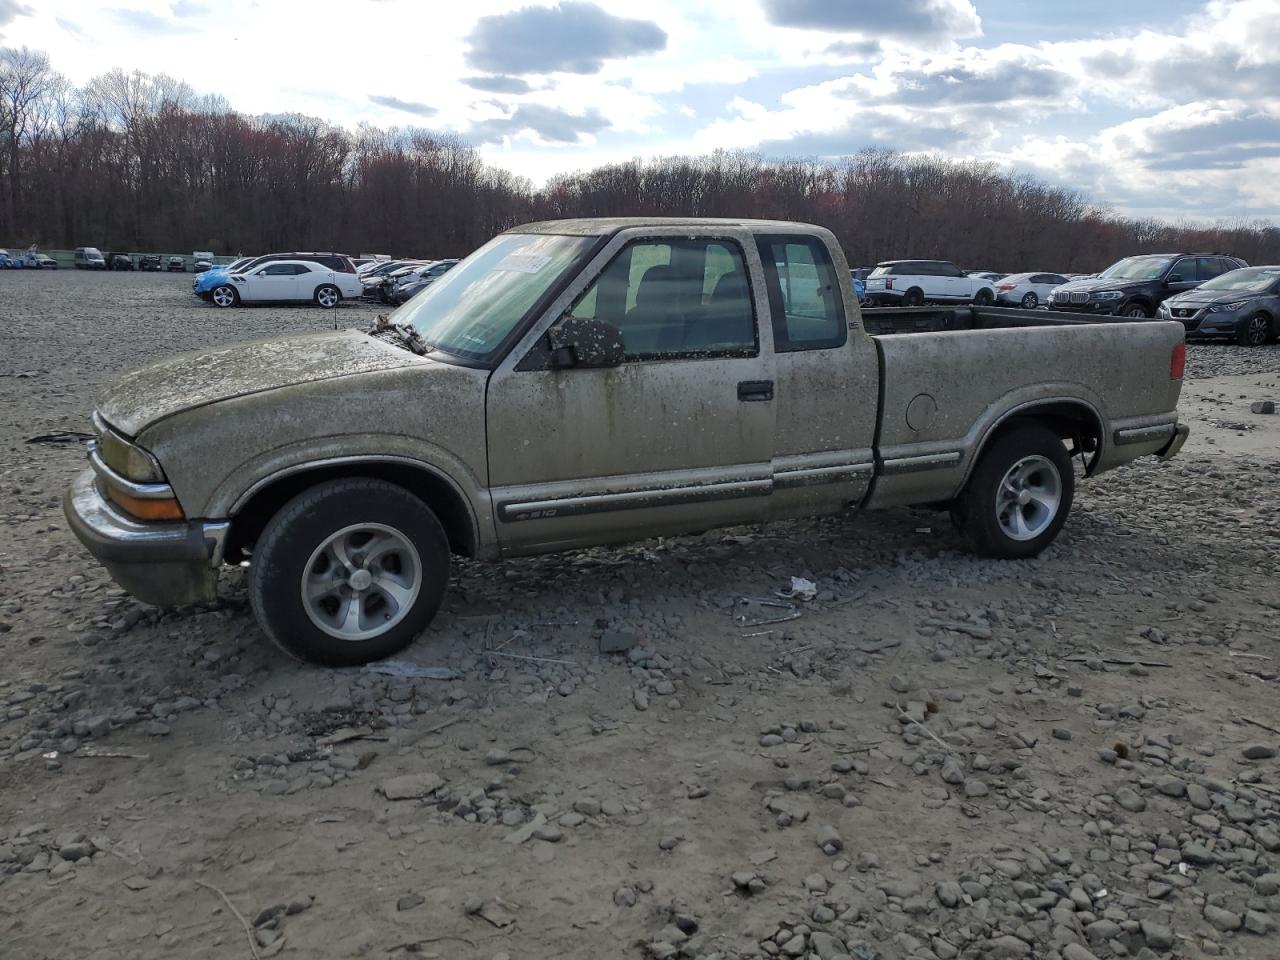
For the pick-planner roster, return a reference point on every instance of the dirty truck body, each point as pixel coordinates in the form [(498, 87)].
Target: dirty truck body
[(591, 381)]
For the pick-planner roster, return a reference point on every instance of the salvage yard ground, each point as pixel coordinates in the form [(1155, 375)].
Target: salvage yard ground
[(1072, 757)]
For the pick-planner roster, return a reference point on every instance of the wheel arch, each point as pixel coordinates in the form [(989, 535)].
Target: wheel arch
[(1070, 418), (255, 508)]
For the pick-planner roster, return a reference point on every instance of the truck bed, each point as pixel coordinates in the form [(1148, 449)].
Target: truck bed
[(942, 319)]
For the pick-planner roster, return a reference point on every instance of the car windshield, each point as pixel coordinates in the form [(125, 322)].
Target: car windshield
[(1249, 280), (472, 309), (1136, 268)]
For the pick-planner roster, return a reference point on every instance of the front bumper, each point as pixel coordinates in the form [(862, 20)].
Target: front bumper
[(1103, 308), (166, 564), (1203, 323)]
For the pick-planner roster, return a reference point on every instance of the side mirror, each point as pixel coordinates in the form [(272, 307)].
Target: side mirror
[(1175, 278), (585, 342)]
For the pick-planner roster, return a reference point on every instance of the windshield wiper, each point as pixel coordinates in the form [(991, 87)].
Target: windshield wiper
[(402, 335)]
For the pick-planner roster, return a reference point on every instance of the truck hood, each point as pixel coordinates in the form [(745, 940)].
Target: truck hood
[(186, 381)]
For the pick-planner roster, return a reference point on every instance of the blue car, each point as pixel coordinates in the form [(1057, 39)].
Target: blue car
[(859, 286), (204, 283)]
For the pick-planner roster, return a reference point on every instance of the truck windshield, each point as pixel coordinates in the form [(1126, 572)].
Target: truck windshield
[(1136, 268), (472, 309), (1251, 279)]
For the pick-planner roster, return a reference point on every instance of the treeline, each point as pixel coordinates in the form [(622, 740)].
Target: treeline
[(132, 161)]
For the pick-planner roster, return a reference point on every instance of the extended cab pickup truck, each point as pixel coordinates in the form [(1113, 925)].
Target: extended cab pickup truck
[(591, 381)]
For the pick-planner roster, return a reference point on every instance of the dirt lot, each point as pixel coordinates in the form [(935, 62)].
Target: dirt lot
[(717, 791)]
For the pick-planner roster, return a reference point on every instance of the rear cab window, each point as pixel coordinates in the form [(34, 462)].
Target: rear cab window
[(804, 295)]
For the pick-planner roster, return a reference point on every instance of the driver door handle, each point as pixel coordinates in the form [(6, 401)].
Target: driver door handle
[(755, 390)]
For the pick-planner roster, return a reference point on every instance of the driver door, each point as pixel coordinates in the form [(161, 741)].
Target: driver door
[(677, 437), (275, 281)]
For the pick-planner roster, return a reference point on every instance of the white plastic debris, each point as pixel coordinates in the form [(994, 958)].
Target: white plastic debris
[(801, 589)]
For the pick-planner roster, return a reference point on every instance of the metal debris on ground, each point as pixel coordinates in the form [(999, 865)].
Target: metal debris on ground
[(750, 614), (409, 670), (61, 436)]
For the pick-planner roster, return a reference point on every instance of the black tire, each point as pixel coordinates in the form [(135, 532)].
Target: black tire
[(984, 297), (291, 541), (977, 513), (233, 300), (1030, 300), (1254, 330), (913, 297), (1136, 311), (327, 296)]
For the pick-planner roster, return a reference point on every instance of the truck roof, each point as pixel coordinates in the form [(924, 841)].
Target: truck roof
[(601, 226)]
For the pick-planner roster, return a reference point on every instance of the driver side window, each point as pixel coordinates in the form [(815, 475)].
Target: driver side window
[(674, 299)]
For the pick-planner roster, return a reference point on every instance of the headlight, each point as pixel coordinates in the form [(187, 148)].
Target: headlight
[(1227, 307), (127, 459), (1106, 295)]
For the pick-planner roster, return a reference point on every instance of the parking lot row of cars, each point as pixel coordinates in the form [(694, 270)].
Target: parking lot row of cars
[(91, 258), (325, 279), (1210, 294)]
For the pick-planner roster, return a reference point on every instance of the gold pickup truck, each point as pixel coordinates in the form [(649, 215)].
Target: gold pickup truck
[(591, 381)]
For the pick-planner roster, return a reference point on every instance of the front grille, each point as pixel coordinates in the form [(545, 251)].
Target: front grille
[(1184, 313)]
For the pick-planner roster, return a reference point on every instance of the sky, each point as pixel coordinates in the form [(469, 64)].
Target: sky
[(1168, 109)]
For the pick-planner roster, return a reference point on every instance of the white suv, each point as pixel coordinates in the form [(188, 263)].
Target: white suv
[(909, 283), (284, 280)]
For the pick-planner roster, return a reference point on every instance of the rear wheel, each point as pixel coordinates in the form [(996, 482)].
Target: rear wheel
[(224, 296), (1019, 494), (1030, 301), (349, 571), (1254, 331), (328, 296), (913, 297)]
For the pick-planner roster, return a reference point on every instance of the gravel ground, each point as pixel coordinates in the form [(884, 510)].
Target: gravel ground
[(943, 757)]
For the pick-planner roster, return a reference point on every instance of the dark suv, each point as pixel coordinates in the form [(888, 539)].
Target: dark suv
[(1136, 286)]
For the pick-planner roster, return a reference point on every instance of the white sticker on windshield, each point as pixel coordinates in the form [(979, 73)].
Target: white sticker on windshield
[(523, 262)]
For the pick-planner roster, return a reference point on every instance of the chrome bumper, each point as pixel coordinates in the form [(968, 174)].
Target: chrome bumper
[(166, 564)]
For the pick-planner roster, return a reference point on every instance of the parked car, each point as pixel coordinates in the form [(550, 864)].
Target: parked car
[(203, 285), (149, 262), (36, 260), (1136, 286), (6, 261), (200, 265), (420, 279), (859, 286), (913, 282), (176, 265), (119, 261), (1027, 290), (286, 280), (376, 280), (553, 391), (1244, 304), (89, 258)]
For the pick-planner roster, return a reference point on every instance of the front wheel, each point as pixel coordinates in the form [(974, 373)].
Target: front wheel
[(349, 571), (224, 296), (1254, 331), (1019, 494), (1136, 311), (328, 296)]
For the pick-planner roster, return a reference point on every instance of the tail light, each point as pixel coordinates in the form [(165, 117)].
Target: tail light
[(1178, 360), (1006, 287), (888, 283)]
